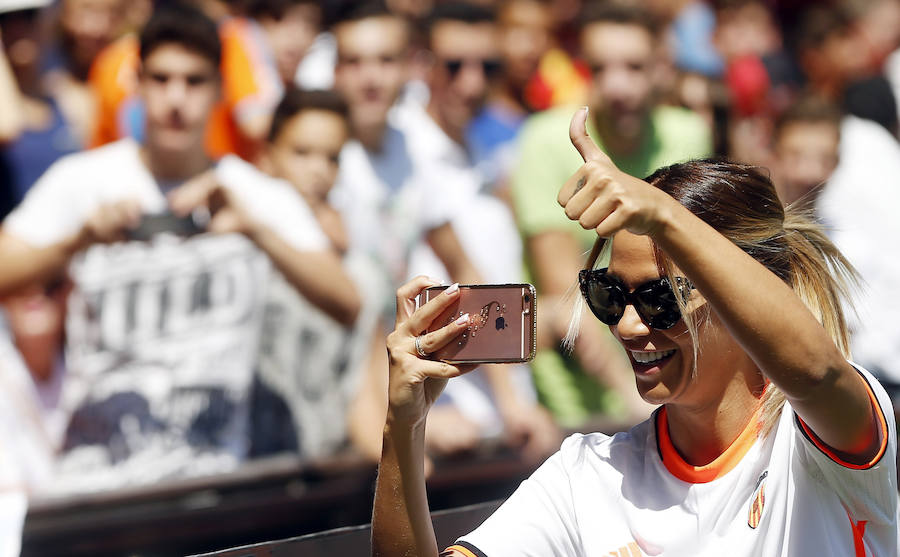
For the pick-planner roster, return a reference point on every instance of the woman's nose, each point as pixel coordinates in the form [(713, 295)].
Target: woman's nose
[(631, 325)]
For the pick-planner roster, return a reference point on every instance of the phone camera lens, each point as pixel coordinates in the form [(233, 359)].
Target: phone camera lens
[(527, 298)]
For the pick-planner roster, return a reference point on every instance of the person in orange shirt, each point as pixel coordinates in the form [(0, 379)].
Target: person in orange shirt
[(251, 89)]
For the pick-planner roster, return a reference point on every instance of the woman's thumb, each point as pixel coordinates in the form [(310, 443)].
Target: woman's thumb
[(581, 140)]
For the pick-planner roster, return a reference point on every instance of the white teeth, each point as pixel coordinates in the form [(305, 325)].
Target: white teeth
[(650, 357)]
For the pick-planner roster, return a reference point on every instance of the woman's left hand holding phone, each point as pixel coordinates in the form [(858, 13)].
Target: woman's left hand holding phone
[(401, 522), (415, 382)]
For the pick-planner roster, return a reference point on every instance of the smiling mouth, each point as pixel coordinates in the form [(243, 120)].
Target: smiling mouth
[(643, 362)]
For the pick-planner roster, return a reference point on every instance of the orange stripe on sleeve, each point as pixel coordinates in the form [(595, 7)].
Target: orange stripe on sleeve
[(461, 549), (880, 424)]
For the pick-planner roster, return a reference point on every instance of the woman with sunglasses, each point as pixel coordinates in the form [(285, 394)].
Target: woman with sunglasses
[(767, 442)]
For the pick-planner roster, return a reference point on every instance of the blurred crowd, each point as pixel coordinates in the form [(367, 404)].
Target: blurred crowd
[(208, 205)]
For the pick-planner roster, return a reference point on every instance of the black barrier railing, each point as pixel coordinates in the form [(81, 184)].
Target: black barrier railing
[(448, 525), (272, 499), (265, 500)]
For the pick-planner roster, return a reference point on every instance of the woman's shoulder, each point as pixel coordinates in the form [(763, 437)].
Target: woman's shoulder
[(616, 448)]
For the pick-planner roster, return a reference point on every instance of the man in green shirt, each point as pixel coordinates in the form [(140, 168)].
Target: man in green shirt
[(620, 44)]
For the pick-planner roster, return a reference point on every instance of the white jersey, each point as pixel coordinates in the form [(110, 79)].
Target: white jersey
[(632, 495), (162, 336)]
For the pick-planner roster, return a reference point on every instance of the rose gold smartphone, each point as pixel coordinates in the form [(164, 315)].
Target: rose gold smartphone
[(502, 323)]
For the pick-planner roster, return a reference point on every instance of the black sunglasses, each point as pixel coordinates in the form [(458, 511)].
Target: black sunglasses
[(654, 300), (455, 65)]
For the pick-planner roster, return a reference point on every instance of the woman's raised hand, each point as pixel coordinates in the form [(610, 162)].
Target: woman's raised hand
[(601, 197), (415, 382)]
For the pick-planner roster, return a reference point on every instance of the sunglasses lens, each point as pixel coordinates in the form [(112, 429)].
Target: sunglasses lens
[(658, 306), (605, 299)]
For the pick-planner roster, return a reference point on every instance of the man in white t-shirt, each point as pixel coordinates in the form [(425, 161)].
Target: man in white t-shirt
[(381, 190), (162, 329), (405, 182), (463, 44)]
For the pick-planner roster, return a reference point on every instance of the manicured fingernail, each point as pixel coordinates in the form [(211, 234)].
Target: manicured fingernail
[(586, 109), (462, 319), (452, 288)]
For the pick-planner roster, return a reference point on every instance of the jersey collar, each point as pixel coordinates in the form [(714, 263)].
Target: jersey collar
[(723, 464)]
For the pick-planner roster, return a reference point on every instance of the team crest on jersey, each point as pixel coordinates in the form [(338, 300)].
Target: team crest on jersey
[(758, 502)]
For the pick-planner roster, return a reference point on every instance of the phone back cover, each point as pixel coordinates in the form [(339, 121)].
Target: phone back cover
[(500, 330)]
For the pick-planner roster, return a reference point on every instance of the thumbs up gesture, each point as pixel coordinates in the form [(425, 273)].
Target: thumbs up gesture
[(601, 197)]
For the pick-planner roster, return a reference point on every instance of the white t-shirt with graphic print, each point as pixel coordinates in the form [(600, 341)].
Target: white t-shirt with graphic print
[(632, 495), (162, 336)]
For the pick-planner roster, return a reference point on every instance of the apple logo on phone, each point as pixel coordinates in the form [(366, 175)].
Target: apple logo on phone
[(500, 323)]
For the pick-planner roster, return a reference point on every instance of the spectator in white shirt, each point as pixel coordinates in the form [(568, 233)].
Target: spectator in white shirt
[(397, 193), (162, 333)]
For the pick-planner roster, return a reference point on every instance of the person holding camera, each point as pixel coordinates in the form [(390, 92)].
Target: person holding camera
[(162, 333), (767, 440)]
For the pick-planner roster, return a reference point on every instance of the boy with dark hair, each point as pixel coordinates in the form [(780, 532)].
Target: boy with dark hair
[(162, 333), (309, 130), (309, 365), (251, 88), (828, 51), (183, 24)]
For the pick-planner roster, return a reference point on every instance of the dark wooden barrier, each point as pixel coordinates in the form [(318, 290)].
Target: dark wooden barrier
[(274, 499), (264, 501), (448, 525)]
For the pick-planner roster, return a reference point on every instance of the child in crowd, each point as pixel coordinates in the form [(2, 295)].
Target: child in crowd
[(309, 129), (309, 364)]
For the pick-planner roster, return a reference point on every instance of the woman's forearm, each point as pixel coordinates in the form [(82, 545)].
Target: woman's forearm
[(401, 521), (759, 309), (775, 328)]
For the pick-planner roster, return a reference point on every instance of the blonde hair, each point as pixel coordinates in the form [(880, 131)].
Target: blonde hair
[(740, 203)]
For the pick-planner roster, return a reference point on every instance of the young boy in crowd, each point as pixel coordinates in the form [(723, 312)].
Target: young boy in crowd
[(162, 333), (308, 131), (309, 364)]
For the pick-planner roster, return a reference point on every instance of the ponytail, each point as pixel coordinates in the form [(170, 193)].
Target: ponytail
[(820, 274)]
